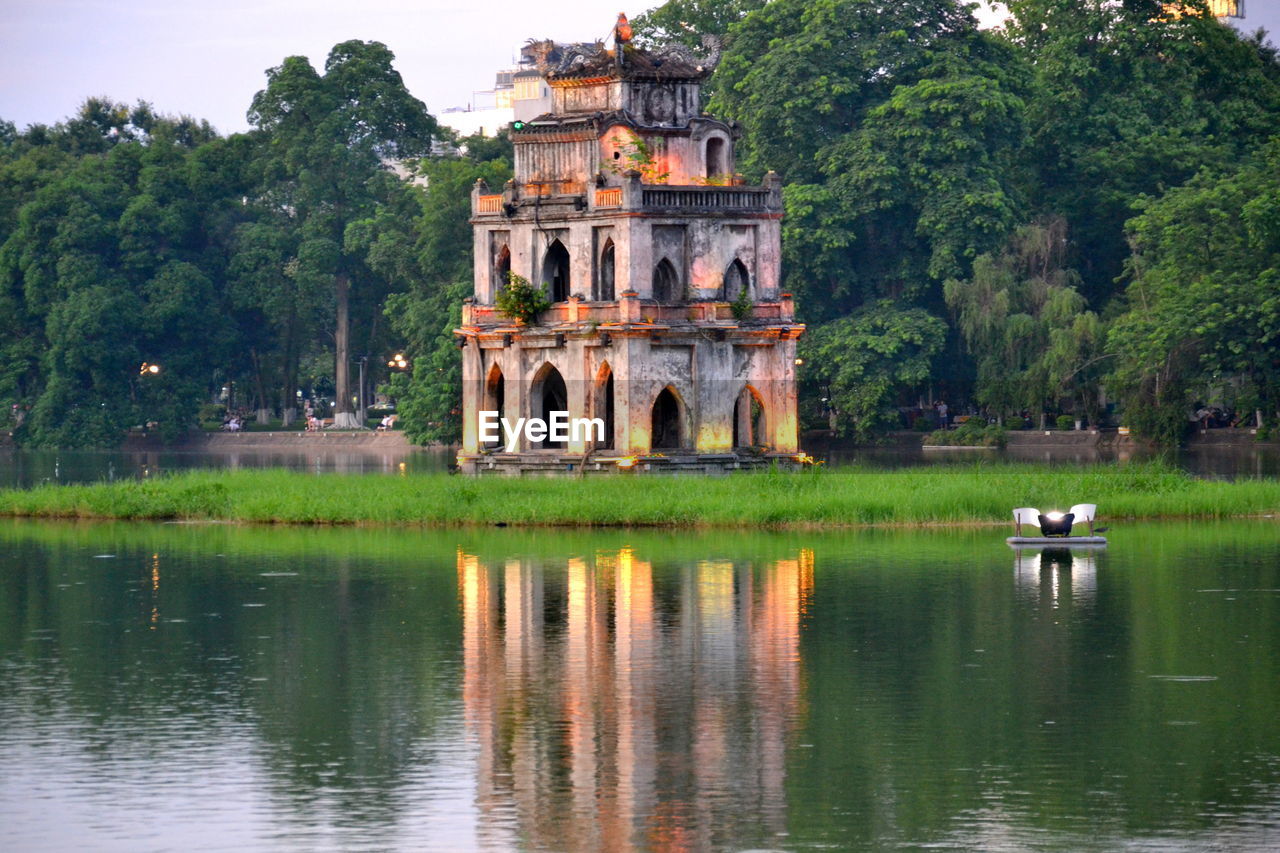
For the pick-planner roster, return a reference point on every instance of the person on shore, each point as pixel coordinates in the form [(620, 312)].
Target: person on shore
[(942, 414)]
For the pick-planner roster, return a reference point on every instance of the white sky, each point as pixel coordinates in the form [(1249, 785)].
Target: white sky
[(206, 58)]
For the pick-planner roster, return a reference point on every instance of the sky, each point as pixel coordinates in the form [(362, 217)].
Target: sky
[(207, 58)]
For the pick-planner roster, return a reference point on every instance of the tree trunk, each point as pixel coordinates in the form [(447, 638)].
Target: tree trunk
[(262, 414), (344, 416), (289, 386)]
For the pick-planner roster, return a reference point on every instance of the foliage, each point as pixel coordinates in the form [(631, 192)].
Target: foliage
[(856, 363), (329, 140), (520, 300), (687, 22), (1026, 324), (638, 156), (741, 306), (971, 433), (899, 150), (1203, 298), (438, 266), (1129, 100)]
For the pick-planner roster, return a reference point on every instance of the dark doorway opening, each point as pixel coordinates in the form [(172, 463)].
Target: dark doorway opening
[(666, 284), (606, 273), (555, 271), (736, 281), (715, 157), (554, 397), (666, 421), (502, 270), (495, 399), (749, 426), (604, 408)]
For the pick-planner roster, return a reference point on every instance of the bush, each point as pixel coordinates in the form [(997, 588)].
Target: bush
[(1066, 422), (971, 433), (520, 300), (212, 414)]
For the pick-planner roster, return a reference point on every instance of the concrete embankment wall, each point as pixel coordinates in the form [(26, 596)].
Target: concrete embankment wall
[(214, 442)]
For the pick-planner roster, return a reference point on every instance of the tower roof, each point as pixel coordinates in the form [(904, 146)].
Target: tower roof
[(597, 62)]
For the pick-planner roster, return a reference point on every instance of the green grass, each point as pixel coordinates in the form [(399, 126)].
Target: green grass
[(982, 493)]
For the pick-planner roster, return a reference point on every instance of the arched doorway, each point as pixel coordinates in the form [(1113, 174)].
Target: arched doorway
[(666, 432), (605, 291), (549, 395), (666, 284), (555, 271), (750, 427), (502, 269), (736, 281), (715, 157), (495, 398), (604, 406)]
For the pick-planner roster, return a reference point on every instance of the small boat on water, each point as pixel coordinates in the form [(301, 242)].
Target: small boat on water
[(1054, 528)]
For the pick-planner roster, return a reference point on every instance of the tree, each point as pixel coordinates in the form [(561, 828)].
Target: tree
[(429, 400), (330, 142), (687, 22), (1203, 298), (109, 263), (897, 131), (855, 364), (1023, 318), (1129, 100)]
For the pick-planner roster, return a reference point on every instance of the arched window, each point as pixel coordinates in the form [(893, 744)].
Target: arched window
[(749, 426), (715, 159), (495, 396), (555, 271), (736, 281), (666, 432), (666, 284), (549, 395), (501, 269), (604, 405), (605, 290)]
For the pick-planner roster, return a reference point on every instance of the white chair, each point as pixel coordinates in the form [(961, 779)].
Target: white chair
[(1085, 512), (1025, 515)]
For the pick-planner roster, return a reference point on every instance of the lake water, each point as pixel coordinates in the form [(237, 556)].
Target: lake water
[(26, 468), (170, 687)]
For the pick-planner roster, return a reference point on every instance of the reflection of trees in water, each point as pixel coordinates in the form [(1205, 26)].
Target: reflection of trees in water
[(626, 705), (335, 675)]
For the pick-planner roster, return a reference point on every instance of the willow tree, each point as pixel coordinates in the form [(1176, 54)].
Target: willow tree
[(329, 142), (1022, 316)]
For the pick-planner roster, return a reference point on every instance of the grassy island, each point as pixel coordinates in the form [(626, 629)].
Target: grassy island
[(960, 494)]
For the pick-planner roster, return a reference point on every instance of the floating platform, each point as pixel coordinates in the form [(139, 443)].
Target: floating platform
[(1061, 541)]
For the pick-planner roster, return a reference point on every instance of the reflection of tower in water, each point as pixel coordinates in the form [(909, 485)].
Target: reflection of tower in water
[(612, 708)]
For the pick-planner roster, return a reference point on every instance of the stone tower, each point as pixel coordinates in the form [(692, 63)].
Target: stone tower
[(667, 322)]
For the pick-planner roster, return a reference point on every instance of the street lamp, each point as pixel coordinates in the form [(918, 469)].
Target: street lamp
[(148, 369), (398, 361)]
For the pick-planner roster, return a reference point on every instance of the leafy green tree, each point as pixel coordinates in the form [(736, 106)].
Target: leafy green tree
[(108, 264), (688, 21), (1203, 298), (330, 142), (897, 131), (855, 364), (1127, 101), (429, 400)]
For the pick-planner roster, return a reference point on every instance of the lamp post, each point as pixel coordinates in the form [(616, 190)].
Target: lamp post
[(360, 412)]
